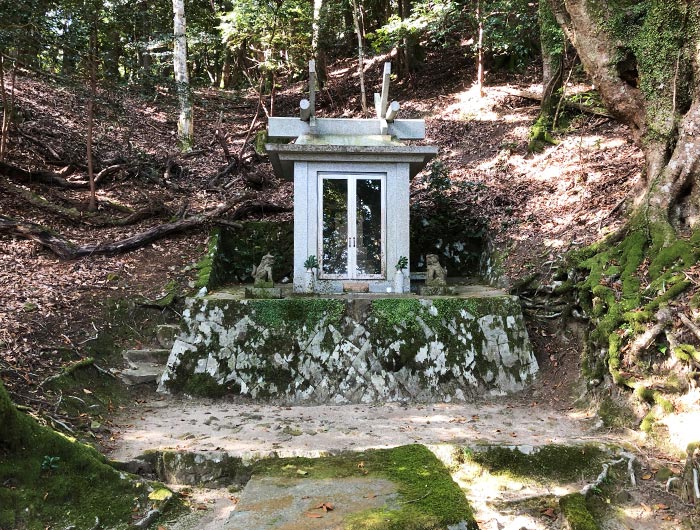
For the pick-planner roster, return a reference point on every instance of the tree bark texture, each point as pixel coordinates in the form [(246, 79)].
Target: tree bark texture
[(185, 124), (552, 62), (644, 59), (361, 54), (92, 206)]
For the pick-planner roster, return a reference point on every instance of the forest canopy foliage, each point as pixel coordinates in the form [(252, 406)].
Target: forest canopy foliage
[(232, 43)]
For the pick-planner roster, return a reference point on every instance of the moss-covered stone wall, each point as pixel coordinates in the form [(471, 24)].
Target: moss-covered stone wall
[(339, 350), (233, 252)]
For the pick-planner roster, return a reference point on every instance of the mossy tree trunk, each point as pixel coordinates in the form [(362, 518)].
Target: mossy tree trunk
[(644, 58), (553, 43)]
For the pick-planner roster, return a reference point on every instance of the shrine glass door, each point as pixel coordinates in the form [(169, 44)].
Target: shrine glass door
[(352, 226)]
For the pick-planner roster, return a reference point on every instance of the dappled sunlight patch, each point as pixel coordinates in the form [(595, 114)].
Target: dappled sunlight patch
[(502, 500), (683, 428)]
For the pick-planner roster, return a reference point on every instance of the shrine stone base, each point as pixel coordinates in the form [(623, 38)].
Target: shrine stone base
[(352, 349)]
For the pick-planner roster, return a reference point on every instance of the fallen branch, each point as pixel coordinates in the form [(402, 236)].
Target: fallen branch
[(66, 249), (77, 216), (527, 94), (68, 370), (55, 179)]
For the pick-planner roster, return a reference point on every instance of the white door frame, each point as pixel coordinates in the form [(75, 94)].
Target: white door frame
[(352, 179)]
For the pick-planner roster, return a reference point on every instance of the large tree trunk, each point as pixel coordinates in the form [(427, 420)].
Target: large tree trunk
[(185, 124), (645, 61)]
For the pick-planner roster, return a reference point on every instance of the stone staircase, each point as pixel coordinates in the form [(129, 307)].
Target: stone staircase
[(146, 365)]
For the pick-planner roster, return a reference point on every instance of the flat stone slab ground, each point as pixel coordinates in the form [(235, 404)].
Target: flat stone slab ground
[(293, 504), (252, 431)]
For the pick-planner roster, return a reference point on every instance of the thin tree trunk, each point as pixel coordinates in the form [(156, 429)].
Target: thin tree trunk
[(5, 110), (185, 125), (317, 50), (8, 108), (360, 54), (316, 25), (92, 205), (225, 81), (480, 51), (552, 77)]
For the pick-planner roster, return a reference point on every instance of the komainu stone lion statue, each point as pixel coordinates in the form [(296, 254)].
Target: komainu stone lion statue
[(435, 274), (262, 274)]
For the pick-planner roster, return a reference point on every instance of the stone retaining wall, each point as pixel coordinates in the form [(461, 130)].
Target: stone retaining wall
[(340, 350)]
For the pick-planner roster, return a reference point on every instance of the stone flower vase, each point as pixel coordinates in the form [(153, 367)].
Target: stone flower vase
[(309, 281), (398, 281)]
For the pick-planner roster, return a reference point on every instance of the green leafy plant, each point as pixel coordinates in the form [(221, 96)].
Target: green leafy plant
[(402, 263), (50, 463), (311, 263)]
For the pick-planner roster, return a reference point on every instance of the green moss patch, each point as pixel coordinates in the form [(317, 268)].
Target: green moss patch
[(48, 480), (429, 498), (232, 253), (557, 463), (625, 283), (615, 415), (576, 514)]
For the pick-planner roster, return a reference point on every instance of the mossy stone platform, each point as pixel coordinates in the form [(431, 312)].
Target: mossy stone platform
[(405, 487), (352, 348)]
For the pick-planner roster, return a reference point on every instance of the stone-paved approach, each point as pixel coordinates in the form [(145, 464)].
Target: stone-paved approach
[(271, 502), (252, 431)]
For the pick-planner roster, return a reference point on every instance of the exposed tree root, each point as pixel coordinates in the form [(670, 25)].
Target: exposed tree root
[(646, 339), (689, 324), (66, 249)]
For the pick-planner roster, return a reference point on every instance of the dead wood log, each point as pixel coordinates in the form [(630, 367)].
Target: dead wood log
[(534, 96), (84, 217), (66, 249), (55, 179), (43, 177)]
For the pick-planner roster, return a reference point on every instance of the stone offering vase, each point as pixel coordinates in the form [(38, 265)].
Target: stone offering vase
[(398, 281)]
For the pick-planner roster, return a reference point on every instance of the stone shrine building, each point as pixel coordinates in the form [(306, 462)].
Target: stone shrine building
[(351, 192)]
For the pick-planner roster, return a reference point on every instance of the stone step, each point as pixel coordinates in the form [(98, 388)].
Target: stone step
[(166, 335), (147, 355), (141, 372)]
